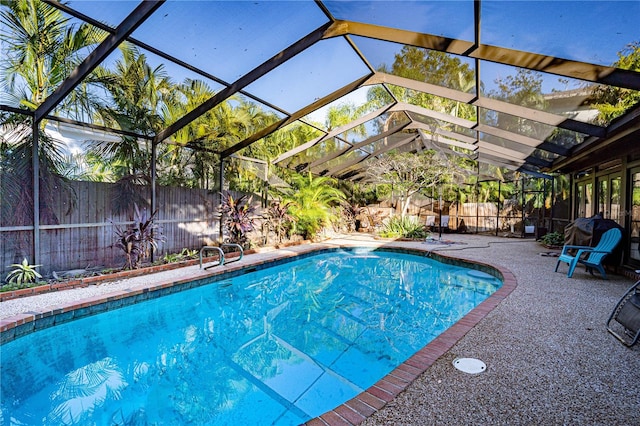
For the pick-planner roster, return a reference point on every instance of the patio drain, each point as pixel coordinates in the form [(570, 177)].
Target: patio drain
[(469, 365)]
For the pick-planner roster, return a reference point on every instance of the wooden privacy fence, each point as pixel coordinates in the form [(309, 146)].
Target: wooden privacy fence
[(477, 217), (85, 234)]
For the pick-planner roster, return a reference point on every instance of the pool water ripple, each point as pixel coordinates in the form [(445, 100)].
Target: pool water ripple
[(280, 345)]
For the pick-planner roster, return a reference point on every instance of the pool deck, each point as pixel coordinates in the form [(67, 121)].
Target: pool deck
[(549, 357)]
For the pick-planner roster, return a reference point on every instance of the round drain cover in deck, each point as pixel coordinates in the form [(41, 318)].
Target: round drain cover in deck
[(469, 365)]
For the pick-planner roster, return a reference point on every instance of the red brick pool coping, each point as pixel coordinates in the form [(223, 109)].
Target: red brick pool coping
[(356, 410)]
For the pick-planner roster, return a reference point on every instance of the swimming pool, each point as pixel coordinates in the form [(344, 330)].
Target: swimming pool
[(278, 345)]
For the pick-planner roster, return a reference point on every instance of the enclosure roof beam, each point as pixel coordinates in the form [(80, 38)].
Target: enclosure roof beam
[(298, 115), (333, 133), (15, 110), (76, 123), (161, 53), (511, 136), (451, 135), (267, 66), (104, 49), (539, 162), (97, 127), (434, 114), (427, 41), (357, 122), (502, 152), (358, 145), (533, 61), (493, 104), (443, 141), (540, 116), (621, 128), (380, 151), (564, 67), (420, 86), (297, 150), (500, 162)]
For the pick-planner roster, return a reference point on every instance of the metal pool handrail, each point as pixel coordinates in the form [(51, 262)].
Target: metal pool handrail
[(220, 254), (238, 246)]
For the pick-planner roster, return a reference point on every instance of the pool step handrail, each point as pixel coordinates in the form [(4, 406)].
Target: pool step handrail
[(233, 245), (208, 248), (221, 254)]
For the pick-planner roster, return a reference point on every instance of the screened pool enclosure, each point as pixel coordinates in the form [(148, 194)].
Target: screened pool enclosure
[(162, 104)]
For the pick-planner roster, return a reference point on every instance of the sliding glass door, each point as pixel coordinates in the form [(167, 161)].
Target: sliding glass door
[(609, 193), (584, 197)]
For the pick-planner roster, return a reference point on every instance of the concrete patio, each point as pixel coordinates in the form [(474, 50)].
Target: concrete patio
[(549, 357)]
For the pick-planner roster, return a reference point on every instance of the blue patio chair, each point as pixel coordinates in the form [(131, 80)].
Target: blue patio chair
[(591, 257)]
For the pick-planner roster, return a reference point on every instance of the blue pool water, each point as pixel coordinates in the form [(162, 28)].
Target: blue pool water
[(277, 346)]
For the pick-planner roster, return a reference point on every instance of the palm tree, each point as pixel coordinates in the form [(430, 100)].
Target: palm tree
[(42, 50), (197, 143), (312, 200), (190, 160), (139, 92)]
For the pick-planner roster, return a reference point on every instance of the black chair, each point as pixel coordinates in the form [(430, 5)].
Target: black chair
[(624, 322)]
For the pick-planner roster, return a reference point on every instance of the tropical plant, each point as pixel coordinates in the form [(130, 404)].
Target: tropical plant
[(139, 239), (553, 239), (43, 48), (24, 273), (139, 93), (311, 203), (185, 254), (279, 219), (237, 217), (403, 227), (612, 101)]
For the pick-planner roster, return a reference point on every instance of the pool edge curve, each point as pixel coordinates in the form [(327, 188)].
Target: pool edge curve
[(352, 412)]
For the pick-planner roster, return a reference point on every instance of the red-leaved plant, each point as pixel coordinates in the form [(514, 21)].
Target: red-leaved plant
[(237, 217), (137, 240)]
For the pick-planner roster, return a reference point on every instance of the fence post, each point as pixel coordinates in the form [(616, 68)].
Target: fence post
[(36, 192), (498, 214), (154, 201), (221, 180)]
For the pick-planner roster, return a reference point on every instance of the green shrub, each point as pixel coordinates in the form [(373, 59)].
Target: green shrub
[(403, 227), (185, 254), (311, 202), (16, 286), (553, 239)]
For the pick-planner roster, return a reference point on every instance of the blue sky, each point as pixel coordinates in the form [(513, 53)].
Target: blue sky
[(229, 38)]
